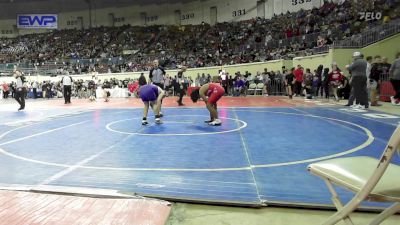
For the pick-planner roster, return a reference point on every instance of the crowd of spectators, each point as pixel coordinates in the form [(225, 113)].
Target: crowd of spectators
[(318, 82), (86, 88), (133, 48)]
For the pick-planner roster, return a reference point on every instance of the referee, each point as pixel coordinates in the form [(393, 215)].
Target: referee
[(67, 84), (20, 89), (157, 75)]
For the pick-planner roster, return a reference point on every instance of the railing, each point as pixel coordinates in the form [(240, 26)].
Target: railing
[(371, 36)]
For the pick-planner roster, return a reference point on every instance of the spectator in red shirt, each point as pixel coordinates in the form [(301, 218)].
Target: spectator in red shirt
[(335, 80), (289, 32), (298, 74), (6, 90)]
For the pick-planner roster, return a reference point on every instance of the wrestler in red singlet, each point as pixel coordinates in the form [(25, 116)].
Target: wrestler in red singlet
[(210, 93), (214, 92)]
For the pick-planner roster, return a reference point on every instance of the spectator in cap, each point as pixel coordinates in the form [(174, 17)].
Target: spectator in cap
[(358, 79)]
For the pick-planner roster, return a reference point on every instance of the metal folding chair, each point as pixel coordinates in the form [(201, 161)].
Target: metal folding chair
[(252, 88), (371, 179), (260, 88)]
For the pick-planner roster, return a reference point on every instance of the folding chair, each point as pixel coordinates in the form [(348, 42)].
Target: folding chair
[(371, 179), (260, 88), (252, 88)]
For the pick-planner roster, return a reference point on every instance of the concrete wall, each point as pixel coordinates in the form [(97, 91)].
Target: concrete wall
[(283, 6), (312, 62), (386, 48), (213, 71)]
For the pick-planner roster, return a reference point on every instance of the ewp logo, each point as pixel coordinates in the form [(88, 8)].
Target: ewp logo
[(46, 21)]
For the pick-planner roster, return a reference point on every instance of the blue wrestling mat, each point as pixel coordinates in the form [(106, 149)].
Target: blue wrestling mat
[(257, 156)]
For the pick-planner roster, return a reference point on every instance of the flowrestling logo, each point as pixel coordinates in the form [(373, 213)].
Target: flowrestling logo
[(368, 16), (35, 21)]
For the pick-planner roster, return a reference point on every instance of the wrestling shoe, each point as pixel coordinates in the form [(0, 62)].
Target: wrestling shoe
[(216, 122), (158, 121), (392, 100)]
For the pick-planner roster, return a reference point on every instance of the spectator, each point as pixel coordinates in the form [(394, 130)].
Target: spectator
[(335, 80), (394, 73), (181, 85), (34, 89), (167, 84), (142, 80), (298, 73), (375, 80), (289, 82), (307, 83), (358, 80), (325, 83), (6, 90), (239, 86)]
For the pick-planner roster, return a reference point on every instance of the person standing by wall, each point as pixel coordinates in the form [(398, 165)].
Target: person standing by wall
[(266, 81), (319, 81), (325, 83), (358, 79), (181, 85), (289, 82), (375, 80), (34, 89), (6, 90), (142, 80), (224, 80), (20, 89), (307, 83), (298, 73), (67, 87), (44, 89), (167, 84), (368, 73), (394, 74), (106, 90), (335, 80)]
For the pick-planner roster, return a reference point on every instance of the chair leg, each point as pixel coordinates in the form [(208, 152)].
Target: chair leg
[(336, 201), (386, 213)]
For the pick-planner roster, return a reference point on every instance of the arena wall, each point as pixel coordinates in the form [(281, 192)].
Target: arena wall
[(385, 48), (312, 62), (194, 12), (253, 68)]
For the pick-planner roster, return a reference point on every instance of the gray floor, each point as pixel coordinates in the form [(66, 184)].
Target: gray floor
[(190, 214)]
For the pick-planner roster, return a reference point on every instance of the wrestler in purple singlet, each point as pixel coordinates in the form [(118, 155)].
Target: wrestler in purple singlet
[(148, 93)]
